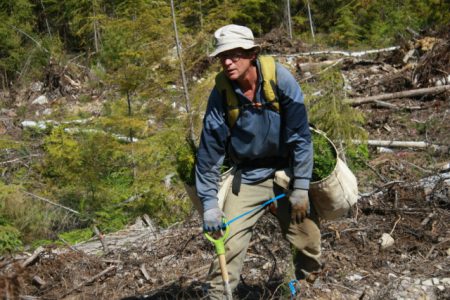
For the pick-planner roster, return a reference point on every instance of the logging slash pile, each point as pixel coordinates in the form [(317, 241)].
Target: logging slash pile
[(394, 245)]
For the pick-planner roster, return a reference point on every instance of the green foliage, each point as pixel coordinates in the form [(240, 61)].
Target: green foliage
[(36, 132), (356, 156), (90, 168), (76, 236), (117, 120), (111, 219), (324, 157), (7, 142), (207, 15), (186, 162), (17, 21), (368, 23), (32, 219), (347, 32), (132, 43), (164, 208), (328, 111), (155, 161), (259, 15), (9, 239)]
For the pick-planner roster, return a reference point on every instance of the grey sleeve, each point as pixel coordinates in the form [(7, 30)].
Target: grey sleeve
[(297, 133), (211, 151)]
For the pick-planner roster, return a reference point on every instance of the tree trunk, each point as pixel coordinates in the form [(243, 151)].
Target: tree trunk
[(288, 12), (183, 76), (344, 53), (310, 22)]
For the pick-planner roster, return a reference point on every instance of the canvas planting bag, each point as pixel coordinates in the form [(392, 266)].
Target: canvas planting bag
[(334, 195)]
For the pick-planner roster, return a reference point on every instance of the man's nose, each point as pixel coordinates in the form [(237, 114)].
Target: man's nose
[(227, 61)]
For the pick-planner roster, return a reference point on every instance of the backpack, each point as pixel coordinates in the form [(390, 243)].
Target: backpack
[(269, 85)]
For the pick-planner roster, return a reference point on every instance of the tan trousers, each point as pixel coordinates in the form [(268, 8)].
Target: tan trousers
[(305, 237)]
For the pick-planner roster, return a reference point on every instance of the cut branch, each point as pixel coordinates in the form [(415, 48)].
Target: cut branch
[(33, 257), (324, 70), (30, 37), (18, 159), (403, 94), (90, 280), (101, 237), (144, 272), (51, 202)]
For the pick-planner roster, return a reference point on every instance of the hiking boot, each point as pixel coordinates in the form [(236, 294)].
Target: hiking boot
[(311, 277), (307, 270)]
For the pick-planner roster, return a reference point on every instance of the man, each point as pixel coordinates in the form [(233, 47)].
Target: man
[(260, 141)]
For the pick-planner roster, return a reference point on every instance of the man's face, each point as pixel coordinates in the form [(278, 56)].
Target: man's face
[(236, 62)]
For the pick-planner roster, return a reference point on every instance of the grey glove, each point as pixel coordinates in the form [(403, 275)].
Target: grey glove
[(300, 205), (213, 220)]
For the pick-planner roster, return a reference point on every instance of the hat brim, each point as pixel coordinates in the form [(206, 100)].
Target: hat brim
[(232, 46)]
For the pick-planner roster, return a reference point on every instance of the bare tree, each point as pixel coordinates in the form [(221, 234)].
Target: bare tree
[(183, 76), (310, 21), (96, 31), (288, 12)]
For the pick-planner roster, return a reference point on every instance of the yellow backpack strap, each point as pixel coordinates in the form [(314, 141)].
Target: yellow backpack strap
[(223, 85), (268, 70)]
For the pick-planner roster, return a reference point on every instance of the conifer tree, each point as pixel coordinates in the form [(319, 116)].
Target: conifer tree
[(347, 32), (329, 112)]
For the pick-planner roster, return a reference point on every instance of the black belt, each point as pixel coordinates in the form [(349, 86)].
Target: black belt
[(270, 162)]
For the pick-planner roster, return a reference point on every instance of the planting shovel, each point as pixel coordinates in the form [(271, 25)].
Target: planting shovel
[(220, 250)]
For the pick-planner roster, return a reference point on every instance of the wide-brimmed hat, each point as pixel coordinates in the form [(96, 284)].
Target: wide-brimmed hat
[(233, 36)]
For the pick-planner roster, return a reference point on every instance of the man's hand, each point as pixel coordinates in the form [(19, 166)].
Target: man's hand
[(300, 205), (213, 220)]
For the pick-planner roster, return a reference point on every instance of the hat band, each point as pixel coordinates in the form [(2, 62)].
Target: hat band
[(229, 40)]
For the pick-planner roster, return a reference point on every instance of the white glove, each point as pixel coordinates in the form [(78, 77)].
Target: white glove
[(213, 220), (299, 205)]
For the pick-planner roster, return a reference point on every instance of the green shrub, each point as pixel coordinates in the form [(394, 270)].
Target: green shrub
[(329, 112), (9, 239), (185, 163), (324, 157), (111, 219), (356, 155), (90, 169)]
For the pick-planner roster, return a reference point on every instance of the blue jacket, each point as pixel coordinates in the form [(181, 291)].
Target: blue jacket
[(259, 134)]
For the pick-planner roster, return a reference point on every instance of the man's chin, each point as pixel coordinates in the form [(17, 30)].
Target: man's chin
[(232, 76)]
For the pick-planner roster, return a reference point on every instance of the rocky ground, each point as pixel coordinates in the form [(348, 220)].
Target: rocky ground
[(395, 244)]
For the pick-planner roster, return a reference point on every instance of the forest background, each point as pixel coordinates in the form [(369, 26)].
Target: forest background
[(112, 143)]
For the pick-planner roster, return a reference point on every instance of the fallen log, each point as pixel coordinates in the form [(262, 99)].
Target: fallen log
[(403, 94), (403, 144), (344, 53)]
